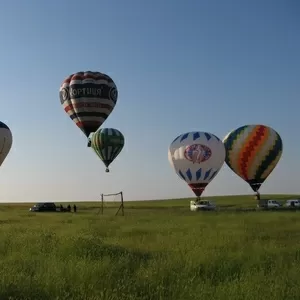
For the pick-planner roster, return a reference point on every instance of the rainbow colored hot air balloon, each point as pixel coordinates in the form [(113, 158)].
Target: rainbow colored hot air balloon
[(88, 98), (252, 152)]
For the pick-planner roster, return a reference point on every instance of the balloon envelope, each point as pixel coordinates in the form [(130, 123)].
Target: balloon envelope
[(88, 98), (252, 152), (197, 158), (5, 141), (107, 144)]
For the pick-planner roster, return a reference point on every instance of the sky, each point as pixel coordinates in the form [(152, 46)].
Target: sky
[(179, 66)]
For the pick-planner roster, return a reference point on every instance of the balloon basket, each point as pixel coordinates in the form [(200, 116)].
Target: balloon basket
[(107, 170), (257, 196)]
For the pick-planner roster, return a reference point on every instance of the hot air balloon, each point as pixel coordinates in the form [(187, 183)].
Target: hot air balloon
[(5, 141), (197, 157), (88, 98), (252, 152), (107, 143)]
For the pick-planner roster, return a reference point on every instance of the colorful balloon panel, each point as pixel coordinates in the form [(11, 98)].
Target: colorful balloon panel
[(88, 98), (5, 141), (107, 144), (252, 152), (197, 157)]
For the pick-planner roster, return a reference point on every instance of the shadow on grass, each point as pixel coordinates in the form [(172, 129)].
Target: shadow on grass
[(219, 271), (11, 221), (122, 266), (97, 250)]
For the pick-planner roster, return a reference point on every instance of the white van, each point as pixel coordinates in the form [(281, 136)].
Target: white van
[(293, 203), (268, 204), (202, 205)]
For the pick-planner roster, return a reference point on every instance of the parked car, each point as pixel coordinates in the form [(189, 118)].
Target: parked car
[(202, 205), (40, 207), (268, 204), (292, 203)]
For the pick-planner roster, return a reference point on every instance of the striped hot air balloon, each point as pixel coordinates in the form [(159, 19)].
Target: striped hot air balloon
[(88, 98), (107, 143), (5, 141), (252, 152)]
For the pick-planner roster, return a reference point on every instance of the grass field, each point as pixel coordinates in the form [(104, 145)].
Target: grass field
[(158, 250)]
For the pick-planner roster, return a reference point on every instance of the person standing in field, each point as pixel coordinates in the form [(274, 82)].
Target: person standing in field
[(75, 208)]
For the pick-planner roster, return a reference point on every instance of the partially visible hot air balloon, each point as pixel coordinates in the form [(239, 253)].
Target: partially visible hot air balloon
[(5, 141), (197, 157), (252, 152), (107, 143), (88, 98)]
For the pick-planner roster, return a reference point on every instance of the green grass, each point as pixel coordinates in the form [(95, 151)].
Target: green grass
[(158, 250)]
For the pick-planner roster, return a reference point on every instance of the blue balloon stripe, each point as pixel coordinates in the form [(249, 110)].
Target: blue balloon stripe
[(2, 125), (207, 173), (176, 139), (208, 136), (196, 136), (189, 174), (184, 136), (213, 174), (216, 138), (198, 174), (182, 176)]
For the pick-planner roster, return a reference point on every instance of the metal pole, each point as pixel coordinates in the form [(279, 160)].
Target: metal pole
[(122, 203)]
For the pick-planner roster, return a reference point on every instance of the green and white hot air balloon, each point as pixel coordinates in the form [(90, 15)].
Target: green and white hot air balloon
[(107, 143)]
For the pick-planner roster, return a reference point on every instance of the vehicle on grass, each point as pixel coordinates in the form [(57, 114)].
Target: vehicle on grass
[(293, 203), (268, 204), (44, 207), (202, 205)]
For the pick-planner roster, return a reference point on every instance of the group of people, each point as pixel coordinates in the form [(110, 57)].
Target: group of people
[(68, 209)]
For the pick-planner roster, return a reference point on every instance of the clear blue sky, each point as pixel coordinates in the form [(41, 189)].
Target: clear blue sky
[(202, 65)]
